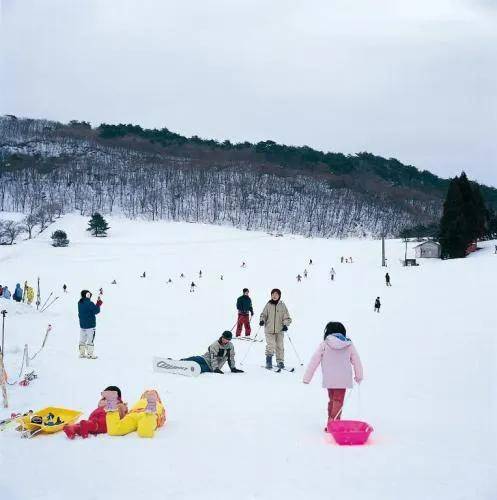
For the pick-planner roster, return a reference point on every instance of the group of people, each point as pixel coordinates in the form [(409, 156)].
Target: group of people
[(20, 295), (336, 354), (113, 417)]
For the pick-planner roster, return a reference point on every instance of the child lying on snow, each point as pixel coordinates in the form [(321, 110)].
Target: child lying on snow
[(145, 416), (96, 423)]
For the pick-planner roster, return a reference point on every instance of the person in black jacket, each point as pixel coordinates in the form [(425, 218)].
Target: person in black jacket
[(377, 305), (244, 306)]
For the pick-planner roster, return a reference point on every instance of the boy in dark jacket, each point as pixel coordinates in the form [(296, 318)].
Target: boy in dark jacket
[(244, 306), (87, 311)]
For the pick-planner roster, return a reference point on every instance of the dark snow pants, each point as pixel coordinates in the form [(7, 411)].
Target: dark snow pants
[(204, 367)]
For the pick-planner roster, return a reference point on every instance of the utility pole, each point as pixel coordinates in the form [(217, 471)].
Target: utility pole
[(383, 258)]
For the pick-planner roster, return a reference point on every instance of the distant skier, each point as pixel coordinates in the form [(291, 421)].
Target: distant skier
[(332, 274), (244, 307), (219, 352), (222, 277), (6, 292), (341, 260), (299, 278), (276, 320), (101, 292), (350, 260), (169, 280), (1, 290), (200, 274), (495, 249), (18, 293), (244, 265), (64, 288), (113, 282), (336, 355), (143, 275), (377, 305), (310, 262), (387, 280), (87, 311), (305, 273), (181, 275), (192, 287)]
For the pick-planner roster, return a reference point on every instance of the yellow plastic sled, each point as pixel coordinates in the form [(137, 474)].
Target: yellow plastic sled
[(49, 424)]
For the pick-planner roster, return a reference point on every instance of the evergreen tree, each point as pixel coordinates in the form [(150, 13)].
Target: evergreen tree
[(98, 225), (464, 217), (59, 239)]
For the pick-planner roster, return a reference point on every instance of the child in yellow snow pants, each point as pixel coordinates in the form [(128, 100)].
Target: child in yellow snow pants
[(144, 417)]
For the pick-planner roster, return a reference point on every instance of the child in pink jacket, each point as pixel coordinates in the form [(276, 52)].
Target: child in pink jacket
[(336, 355)]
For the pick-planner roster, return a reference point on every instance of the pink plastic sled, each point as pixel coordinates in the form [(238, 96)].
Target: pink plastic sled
[(347, 432)]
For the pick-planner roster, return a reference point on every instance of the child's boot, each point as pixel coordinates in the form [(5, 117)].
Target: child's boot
[(111, 400), (69, 431), (82, 351), (151, 398), (89, 352)]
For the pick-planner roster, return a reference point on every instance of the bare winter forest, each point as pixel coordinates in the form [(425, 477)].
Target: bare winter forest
[(48, 169)]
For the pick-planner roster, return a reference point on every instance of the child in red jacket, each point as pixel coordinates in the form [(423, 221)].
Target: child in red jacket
[(96, 423)]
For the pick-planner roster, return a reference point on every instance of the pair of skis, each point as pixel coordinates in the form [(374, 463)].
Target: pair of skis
[(278, 369), (249, 339)]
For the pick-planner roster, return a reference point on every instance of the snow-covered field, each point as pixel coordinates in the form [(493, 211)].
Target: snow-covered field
[(429, 359)]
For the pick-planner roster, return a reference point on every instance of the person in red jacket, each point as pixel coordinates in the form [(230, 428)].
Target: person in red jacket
[(96, 423)]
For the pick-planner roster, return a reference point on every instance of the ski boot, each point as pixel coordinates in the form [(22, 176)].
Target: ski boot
[(151, 397), (89, 352), (281, 365), (269, 362)]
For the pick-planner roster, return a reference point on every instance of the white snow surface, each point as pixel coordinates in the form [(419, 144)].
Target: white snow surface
[(429, 364)]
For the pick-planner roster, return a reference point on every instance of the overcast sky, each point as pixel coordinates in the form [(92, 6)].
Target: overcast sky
[(414, 80)]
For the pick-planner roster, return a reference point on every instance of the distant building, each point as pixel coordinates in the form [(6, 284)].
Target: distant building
[(428, 250)]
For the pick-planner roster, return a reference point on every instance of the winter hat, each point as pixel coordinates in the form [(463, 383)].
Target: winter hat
[(245, 290), (277, 290), (84, 292), (334, 327), (227, 335), (114, 388)]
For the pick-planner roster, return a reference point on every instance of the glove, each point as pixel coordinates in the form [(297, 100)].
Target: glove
[(358, 380), (285, 328), (217, 370), (236, 370), (261, 323), (99, 303)]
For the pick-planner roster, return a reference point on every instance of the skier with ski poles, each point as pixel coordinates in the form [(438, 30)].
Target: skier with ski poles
[(87, 311), (276, 320), (219, 352), (244, 307)]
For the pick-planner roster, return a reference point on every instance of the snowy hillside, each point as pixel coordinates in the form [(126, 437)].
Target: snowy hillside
[(429, 362)]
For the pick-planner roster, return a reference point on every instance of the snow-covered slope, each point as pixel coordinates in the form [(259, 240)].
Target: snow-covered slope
[(429, 360)]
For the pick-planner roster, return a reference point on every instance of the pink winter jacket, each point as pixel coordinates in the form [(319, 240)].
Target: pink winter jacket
[(336, 357)]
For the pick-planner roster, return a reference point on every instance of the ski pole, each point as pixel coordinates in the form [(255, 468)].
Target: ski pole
[(231, 329), (295, 350), (46, 307), (250, 347), (45, 303)]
